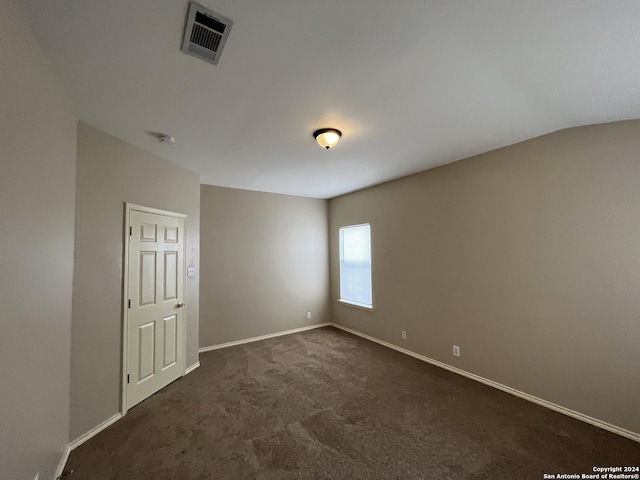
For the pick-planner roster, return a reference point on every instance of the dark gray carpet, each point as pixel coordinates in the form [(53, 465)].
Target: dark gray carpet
[(325, 404)]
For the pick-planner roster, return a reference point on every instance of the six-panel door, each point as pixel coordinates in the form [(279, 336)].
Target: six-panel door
[(156, 296)]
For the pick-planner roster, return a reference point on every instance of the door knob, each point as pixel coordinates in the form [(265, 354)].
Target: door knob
[(180, 305)]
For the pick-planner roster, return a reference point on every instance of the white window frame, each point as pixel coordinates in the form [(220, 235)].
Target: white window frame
[(340, 259)]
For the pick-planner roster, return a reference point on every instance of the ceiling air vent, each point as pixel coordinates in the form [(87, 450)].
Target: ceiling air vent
[(205, 34)]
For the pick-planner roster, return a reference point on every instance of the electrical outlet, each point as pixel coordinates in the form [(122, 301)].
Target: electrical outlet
[(404, 335), (456, 351), (308, 315)]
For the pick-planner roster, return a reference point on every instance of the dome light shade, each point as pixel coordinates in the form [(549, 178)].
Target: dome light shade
[(327, 137)]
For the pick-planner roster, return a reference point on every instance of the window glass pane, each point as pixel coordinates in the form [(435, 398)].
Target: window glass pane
[(355, 264)]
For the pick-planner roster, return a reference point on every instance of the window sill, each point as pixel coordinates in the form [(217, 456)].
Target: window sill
[(362, 306)]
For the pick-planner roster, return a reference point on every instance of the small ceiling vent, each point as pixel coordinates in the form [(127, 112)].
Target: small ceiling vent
[(205, 34)]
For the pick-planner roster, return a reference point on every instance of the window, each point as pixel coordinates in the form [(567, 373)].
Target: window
[(355, 265)]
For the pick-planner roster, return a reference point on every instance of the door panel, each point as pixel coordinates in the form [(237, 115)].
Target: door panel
[(147, 278), (148, 232), (147, 351), (156, 294), (170, 339), (170, 235), (171, 275)]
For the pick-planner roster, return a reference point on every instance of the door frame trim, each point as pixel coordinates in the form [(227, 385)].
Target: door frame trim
[(128, 207)]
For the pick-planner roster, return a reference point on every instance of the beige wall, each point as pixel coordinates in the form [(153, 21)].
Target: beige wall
[(37, 187), (264, 264), (527, 257), (110, 173)]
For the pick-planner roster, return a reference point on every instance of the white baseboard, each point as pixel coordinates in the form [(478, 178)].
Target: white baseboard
[(558, 408), (539, 401), (97, 429), (263, 337), (94, 431), (81, 439), (63, 462), (191, 368)]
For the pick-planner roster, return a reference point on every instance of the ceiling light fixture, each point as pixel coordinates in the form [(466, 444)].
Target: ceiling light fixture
[(327, 137)]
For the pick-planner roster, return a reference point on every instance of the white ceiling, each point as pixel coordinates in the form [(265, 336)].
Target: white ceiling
[(412, 84)]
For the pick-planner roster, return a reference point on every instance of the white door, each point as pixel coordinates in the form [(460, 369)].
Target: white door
[(155, 304)]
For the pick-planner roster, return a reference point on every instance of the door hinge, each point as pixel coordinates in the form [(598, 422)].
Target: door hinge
[(129, 303), (127, 378), (130, 231)]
